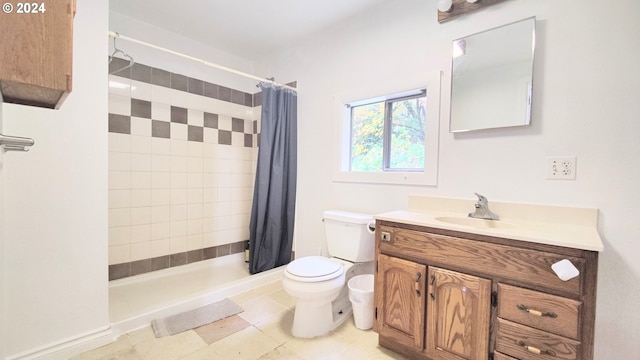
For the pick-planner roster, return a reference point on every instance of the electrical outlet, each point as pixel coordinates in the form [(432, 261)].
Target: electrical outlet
[(561, 168)]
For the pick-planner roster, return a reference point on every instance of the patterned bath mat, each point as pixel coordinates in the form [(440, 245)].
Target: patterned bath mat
[(191, 319)]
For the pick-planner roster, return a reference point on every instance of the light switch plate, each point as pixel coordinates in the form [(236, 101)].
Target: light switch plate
[(561, 168)]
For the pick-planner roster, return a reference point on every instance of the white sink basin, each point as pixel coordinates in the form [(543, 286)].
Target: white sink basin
[(475, 223)]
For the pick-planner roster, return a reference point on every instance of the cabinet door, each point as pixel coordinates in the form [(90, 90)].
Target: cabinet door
[(400, 313), (458, 312)]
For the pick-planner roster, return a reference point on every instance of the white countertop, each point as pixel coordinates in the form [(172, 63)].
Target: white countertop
[(552, 225)]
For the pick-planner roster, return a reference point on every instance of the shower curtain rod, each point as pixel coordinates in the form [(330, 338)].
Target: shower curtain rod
[(114, 34)]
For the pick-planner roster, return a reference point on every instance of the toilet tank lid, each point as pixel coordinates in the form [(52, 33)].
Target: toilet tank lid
[(346, 216)]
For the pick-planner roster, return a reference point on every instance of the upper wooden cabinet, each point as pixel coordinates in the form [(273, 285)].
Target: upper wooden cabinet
[(36, 52)]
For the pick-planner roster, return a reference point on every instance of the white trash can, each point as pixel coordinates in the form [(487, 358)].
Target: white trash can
[(361, 297)]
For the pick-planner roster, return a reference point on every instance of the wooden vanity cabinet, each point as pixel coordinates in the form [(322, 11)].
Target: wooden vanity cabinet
[(444, 295), (36, 53)]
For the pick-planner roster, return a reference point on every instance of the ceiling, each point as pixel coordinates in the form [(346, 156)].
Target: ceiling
[(247, 28)]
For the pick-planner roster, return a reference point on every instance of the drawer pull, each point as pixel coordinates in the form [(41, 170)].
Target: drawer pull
[(536, 312), (535, 350)]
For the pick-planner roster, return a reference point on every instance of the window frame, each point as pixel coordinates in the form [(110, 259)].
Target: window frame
[(342, 149)]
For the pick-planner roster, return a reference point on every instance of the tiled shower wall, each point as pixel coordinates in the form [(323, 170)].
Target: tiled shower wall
[(181, 169)]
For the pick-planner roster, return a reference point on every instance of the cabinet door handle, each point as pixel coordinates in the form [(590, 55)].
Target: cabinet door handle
[(417, 283), (536, 312), (535, 350)]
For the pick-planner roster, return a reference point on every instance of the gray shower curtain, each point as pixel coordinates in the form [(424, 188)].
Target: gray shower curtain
[(274, 194)]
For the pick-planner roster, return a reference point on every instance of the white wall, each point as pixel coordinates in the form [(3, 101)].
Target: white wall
[(55, 207), (3, 315), (586, 87)]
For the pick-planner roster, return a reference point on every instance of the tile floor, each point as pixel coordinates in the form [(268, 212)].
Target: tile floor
[(262, 331)]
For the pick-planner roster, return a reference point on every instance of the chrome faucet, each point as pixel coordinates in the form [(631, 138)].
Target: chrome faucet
[(482, 209)]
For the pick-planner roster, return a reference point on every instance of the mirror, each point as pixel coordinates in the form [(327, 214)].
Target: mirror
[(492, 77)]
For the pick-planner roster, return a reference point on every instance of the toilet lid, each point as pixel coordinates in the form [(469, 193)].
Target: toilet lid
[(315, 268)]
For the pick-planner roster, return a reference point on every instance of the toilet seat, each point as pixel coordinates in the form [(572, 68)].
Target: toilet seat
[(313, 269)]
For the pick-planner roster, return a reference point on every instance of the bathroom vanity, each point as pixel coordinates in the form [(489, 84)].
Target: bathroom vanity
[(452, 287)]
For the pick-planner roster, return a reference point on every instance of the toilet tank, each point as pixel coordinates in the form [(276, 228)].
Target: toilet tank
[(348, 236)]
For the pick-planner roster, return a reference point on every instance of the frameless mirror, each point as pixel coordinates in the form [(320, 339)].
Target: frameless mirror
[(492, 73)]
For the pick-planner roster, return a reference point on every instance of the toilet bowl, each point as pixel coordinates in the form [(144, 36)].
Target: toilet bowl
[(319, 283)]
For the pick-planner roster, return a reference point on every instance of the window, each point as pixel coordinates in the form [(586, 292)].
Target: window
[(389, 139), (388, 135)]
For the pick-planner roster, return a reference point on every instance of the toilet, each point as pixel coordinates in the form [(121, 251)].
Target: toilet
[(319, 283)]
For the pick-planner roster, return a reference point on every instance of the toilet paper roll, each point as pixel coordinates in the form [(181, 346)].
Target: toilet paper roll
[(565, 270)]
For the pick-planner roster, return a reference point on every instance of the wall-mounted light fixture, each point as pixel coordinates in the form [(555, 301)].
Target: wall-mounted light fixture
[(448, 9), (445, 5)]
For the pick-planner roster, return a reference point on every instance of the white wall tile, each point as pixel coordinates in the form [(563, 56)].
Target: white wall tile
[(195, 165), (195, 149), (140, 126), (160, 180), (210, 165), (208, 239), (140, 162), (194, 181), (194, 241), (140, 251), (224, 122), (160, 163), (141, 215), (161, 230), (179, 212), (194, 211), (179, 147), (119, 180), (119, 85), (178, 228), (179, 164), (160, 146), (178, 196), (141, 90), (119, 142), (140, 144), (178, 244), (140, 197), (179, 180), (140, 233), (119, 198), (237, 139), (141, 180), (194, 226), (160, 247), (209, 181), (119, 217), (209, 210), (161, 95), (195, 117), (210, 195), (210, 136), (119, 161), (179, 131), (195, 195), (119, 254), (160, 111), (161, 214), (120, 235), (160, 197), (119, 104)]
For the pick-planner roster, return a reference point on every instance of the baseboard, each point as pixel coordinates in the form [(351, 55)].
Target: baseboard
[(66, 348)]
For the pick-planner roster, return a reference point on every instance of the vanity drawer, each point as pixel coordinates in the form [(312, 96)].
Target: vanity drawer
[(528, 343), (499, 356), (539, 310), (489, 259)]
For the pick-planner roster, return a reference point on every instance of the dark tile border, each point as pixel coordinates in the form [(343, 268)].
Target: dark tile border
[(120, 271), (160, 77)]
